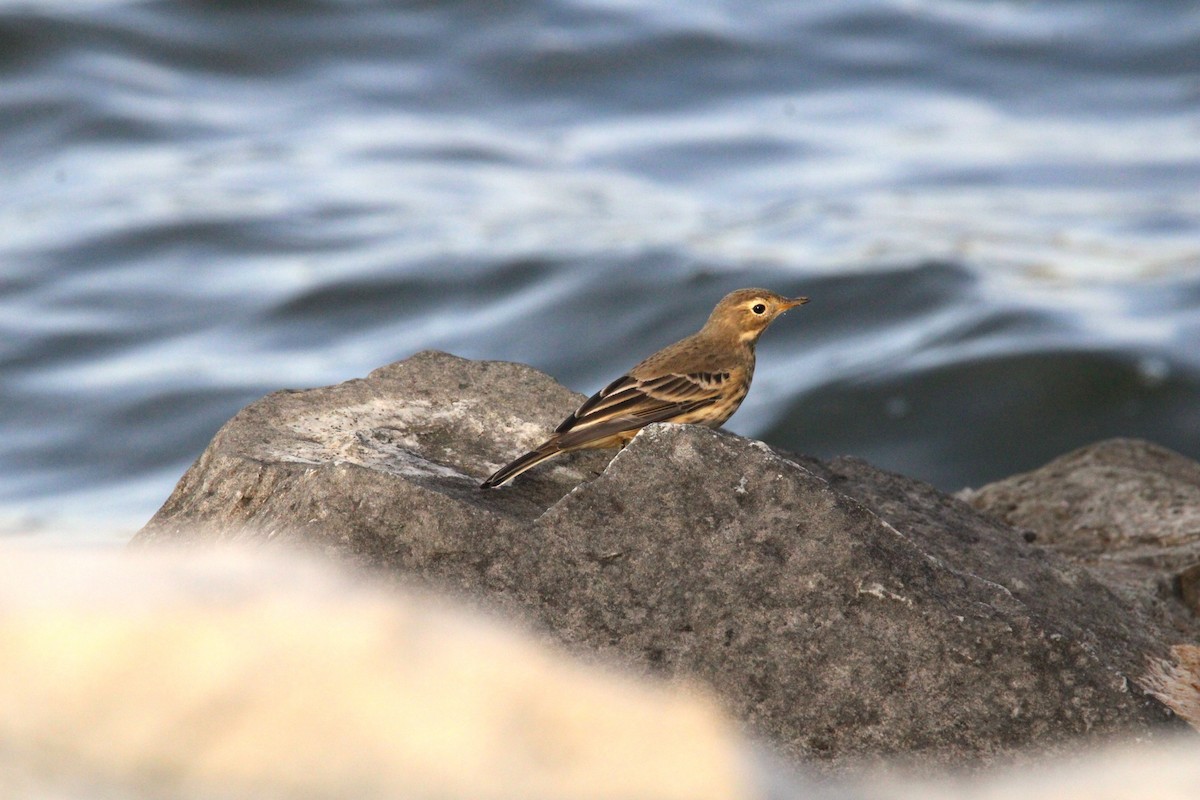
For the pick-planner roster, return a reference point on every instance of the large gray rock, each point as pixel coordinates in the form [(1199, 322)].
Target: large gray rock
[(833, 625), (1127, 509), (840, 611)]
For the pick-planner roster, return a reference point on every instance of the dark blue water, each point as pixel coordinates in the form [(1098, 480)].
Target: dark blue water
[(995, 207)]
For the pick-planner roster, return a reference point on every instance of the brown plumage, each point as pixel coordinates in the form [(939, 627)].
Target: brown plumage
[(700, 380)]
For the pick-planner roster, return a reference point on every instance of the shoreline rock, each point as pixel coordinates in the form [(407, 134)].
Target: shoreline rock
[(840, 611), (1127, 510)]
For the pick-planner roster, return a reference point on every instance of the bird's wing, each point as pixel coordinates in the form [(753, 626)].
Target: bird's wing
[(629, 403)]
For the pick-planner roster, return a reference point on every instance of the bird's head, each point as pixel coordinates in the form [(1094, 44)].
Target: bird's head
[(746, 313)]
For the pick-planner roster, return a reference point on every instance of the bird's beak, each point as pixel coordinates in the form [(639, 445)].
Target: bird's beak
[(795, 301)]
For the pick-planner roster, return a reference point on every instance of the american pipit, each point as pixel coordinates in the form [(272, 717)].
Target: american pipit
[(700, 380)]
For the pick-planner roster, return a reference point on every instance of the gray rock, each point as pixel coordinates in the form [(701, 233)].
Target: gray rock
[(1127, 509), (834, 626), (382, 470), (841, 611)]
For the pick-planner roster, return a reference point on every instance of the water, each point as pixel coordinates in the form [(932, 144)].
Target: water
[(995, 207)]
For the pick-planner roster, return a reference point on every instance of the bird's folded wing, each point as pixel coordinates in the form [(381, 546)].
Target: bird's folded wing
[(628, 403)]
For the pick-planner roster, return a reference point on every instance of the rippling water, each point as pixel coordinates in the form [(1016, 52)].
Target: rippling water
[(995, 207)]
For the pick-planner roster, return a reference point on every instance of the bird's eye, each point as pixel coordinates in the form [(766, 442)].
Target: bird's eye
[(759, 308)]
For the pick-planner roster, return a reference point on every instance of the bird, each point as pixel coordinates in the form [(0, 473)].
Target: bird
[(701, 380)]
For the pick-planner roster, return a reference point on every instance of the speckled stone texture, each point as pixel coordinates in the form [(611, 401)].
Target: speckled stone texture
[(842, 612), (1127, 509), (384, 470)]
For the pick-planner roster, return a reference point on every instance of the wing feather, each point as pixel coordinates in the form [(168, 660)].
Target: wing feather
[(612, 393), (619, 424), (629, 403)]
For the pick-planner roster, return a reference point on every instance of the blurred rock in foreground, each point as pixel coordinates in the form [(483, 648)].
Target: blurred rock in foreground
[(191, 675), (1165, 771), (201, 675), (840, 611)]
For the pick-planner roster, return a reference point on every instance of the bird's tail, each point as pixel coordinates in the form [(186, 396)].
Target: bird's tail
[(531, 459)]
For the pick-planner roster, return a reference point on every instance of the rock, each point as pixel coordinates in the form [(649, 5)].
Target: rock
[(383, 470), (1163, 771), (897, 622), (1177, 682), (266, 676), (1189, 589), (1129, 510), (841, 611)]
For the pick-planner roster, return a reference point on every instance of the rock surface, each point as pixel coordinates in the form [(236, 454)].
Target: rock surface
[(1177, 682), (384, 469), (1130, 511), (840, 611)]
